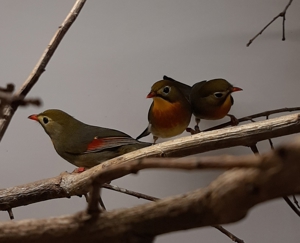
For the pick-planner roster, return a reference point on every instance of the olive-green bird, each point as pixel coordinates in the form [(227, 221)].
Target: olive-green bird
[(170, 112), (212, 100), (81, 144)]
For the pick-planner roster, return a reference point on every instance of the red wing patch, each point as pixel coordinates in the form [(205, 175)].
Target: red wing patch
[(99, 144), (95, 144)]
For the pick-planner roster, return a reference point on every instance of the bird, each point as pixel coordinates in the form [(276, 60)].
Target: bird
[(170, 112), (81, 144), (212, 100)]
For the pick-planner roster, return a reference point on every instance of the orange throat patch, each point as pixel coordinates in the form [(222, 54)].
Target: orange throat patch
[(223, 109), (168, 119)]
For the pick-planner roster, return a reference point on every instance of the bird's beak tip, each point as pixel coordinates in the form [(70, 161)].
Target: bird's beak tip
[(234, 89), (33, 117), (150, 95)]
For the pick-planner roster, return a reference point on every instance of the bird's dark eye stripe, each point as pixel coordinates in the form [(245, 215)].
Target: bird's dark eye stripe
[(45, 120)]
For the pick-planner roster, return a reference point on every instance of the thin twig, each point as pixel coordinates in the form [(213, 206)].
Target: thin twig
[(10, 213), (41, 65), (9, 98), (129, 192), (257, 115), (254, 149), (93, 199), (296, 201), (101, 203), (86, 197), (229, 234), (289, 202), (281, 14), (9, 88), (270, 140)]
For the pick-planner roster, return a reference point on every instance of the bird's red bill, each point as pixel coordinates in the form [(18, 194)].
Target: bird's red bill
[(33, 117), (234, 89), (151, 95)]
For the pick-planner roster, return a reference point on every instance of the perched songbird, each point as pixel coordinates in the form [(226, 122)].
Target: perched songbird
[(81, 144), (170, 112), (212, 100)]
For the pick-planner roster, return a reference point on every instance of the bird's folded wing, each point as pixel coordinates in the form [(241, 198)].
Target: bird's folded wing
[(100, 144)]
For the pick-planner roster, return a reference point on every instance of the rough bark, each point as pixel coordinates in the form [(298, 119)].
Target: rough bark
[(66, 185), (225, 200)]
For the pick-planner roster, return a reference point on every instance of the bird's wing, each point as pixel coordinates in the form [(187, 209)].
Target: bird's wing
[(145, 133), (100, 144)]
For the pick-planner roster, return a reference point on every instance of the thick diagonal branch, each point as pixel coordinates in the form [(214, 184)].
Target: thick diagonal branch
[(67, 185), (225, 200)]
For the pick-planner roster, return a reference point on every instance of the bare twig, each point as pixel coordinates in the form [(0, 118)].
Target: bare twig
[(292, 206), (102, 203), (254, 149), (41, 65), (229, 234), (129, 192), (7, 98), (93, 199), (296, 201), (10, 213), (257, 115), (9, 88), (281, 14)]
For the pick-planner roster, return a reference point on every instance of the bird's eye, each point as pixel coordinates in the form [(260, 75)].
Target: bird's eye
[(218, 94), (167, 90), (45, 120)]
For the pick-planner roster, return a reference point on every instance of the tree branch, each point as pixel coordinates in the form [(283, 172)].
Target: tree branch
[(129, 192), (257, 115), (66, 185), (281, 14), (150, 198), (9, 110), (237, 189)]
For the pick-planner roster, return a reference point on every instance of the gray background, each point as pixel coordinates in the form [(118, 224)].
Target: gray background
[(105, 67)]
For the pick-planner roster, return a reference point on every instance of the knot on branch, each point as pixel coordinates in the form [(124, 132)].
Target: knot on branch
[(9, 88), (8, 98)]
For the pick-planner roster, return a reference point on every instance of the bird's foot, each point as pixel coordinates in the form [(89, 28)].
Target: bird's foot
[(192, 131), (197, 129), (233, 120), (79, 170), (154, 140)]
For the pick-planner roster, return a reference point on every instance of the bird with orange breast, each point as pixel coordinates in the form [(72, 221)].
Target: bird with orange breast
[(212, 100), (170, 112)]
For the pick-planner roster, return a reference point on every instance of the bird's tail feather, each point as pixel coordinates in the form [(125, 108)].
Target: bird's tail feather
[(145, 133)]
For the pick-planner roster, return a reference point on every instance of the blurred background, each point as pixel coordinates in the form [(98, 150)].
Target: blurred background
[(104, 68)]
